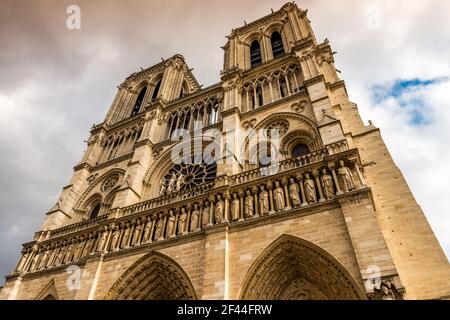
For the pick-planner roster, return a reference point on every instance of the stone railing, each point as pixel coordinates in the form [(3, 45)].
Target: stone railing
[(85, 224), (279, 167), (319, 179)]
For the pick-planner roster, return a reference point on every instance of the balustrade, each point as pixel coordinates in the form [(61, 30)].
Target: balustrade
[(304, 181)]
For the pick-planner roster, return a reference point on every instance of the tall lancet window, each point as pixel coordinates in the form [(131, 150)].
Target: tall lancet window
[(255, 54), (139, 101), (156, 91), (277, 44), (95, 211)]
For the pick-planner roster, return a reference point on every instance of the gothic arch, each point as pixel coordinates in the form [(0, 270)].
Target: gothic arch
[(302, 124), (95, 187), (293, 268), (49, 292), (155, 276)]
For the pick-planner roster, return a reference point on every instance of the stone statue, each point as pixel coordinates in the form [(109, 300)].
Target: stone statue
[(263, 201), (182, 221), (68, 253), (89, 243), (159, 228), (249, 204), (172, 183), (162, 187), (180, 181), (310, 189), (147, 230), (279, 197), (386, 291), (126, 236), (346, 176), (195, 216), (34, 262), (219, 209), (170, 225), (327, 182), (102, 244), (43, 260), (205, 214), (294, 193), (115, 239), (235, 206), (137, 233)]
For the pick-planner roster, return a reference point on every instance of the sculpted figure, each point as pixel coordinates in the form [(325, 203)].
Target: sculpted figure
[(102, 244), (162, 187), (347, 177), (159, 228), (126, 236), (294, 193), (263, 201), (310, 189), (172, 183), (89, 243), (249, 201), (219, 209), (327, 183), (137, 233), (170, 224), (68, 254), (115, 238), (182, 221), (180, 181), (279, 197), (147, 230), (205, 214), (195, 216), (235, 208), (34, 262)]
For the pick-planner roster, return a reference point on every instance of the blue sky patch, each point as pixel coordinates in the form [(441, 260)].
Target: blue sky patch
[(403, 91)]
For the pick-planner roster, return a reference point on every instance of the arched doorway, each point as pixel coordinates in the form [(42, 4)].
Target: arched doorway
[(153, 277), (295, 269)]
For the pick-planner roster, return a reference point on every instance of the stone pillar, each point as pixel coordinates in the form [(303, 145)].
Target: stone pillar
[(241, 205), (269, 187), (302, 190), (316, 176), (284, 183), (332, 167), (255, 200), (226, 214), (212, 200)]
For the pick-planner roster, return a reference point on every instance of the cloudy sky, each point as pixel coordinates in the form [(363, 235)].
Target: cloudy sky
[(55, 83)]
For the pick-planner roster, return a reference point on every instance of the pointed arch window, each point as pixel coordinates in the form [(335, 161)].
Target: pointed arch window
[(94, 213), (156, 90), (255, 54), (277, 44), (139, 101)]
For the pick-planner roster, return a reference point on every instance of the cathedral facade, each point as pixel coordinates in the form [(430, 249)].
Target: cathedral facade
[(266, 185)]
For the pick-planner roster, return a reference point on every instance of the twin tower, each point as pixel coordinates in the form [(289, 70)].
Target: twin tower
[(329, 217)]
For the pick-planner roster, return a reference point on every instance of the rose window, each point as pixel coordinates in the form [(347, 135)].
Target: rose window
[(186, 176)]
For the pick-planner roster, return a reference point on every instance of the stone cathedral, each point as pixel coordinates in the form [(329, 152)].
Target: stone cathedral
[(330, 216)]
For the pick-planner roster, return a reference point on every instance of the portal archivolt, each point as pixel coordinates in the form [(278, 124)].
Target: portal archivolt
[(295, 269), (153, 277)]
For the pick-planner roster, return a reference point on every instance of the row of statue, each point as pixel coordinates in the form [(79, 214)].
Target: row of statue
[(176, 182), (259, 200)]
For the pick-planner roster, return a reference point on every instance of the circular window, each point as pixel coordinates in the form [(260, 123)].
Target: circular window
[(189, 175)]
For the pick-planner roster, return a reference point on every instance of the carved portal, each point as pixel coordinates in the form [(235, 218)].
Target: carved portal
[(293, 268), (153, 277)]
